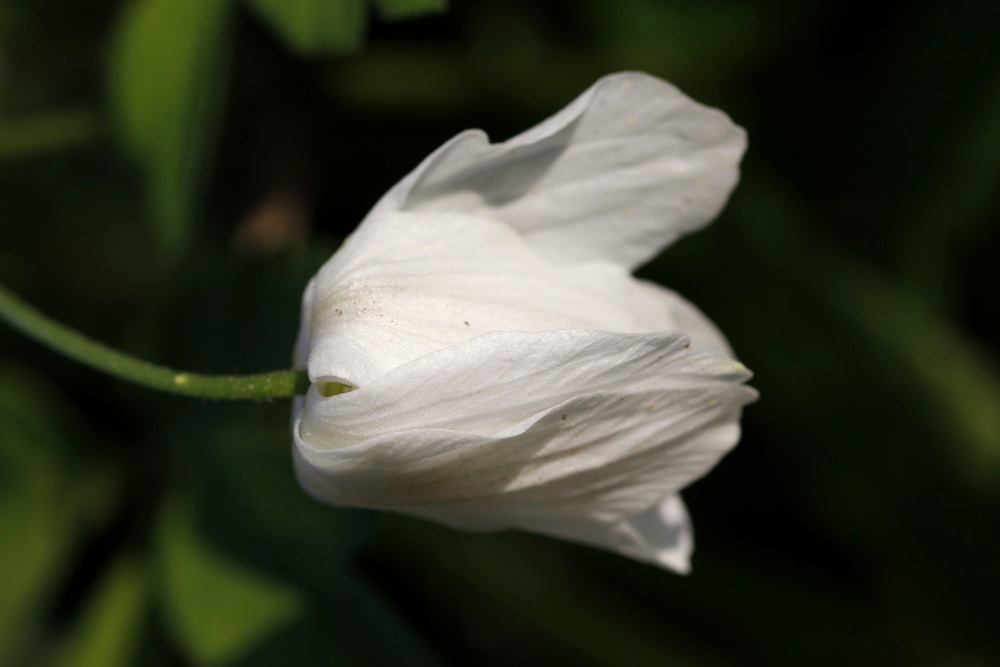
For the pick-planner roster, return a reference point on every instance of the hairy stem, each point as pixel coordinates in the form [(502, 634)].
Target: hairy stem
[(32, 323)]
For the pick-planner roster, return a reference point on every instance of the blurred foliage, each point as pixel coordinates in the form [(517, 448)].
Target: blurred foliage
[(166, 83), (317, 26), (172, 172), (46, 132), (38, 510), (215, 607), (111, 626)]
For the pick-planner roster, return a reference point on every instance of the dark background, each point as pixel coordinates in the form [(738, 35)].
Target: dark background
[(172, 172)]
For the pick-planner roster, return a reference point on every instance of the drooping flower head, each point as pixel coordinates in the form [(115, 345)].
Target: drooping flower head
[(508, 370)]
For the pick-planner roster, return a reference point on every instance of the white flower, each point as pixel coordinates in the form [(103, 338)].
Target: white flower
[(509, 371)]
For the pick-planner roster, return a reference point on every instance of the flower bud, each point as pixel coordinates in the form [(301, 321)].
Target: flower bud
[(508, 370)]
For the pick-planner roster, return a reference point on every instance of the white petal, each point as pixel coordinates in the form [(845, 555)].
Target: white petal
[(303, 342), (675, 313), (662, 534), (406, 284), (619, 174), (570, 433)]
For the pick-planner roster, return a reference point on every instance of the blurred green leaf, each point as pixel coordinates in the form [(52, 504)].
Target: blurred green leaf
[(960, 384), (34, 520), (317, 26), (707, 39), (955, 381), (166, 80), (217, 608), (251, 504), (110, 629), (45, 133), (347, 625), (596, 620), (951, 210), (46, 499), (403, 9), (258, 500), (407, 81), (369, 632)]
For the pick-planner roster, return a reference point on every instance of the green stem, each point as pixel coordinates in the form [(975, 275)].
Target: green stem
[(32, 323)]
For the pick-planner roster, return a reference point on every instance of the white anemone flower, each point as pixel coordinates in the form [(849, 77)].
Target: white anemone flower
[(508, 371)]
